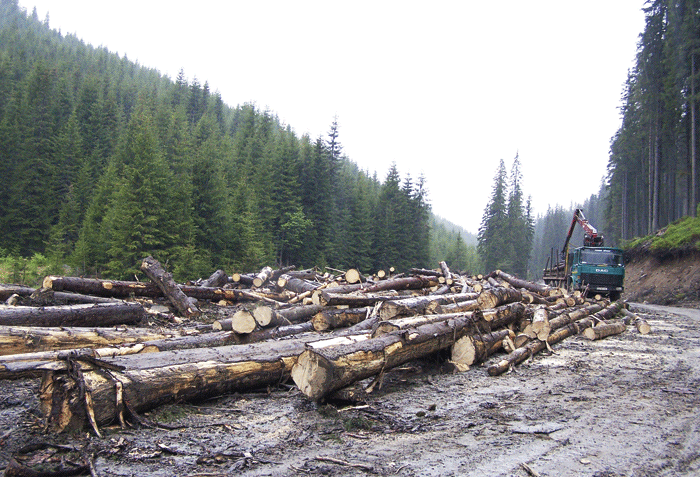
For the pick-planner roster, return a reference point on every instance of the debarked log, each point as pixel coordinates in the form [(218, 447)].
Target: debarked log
[(419, 305), (320, 371), (99, 314)]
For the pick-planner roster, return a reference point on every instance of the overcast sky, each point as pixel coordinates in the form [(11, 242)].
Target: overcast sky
[(442, 88)]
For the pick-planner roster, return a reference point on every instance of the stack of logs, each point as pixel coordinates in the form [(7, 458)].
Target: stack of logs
[(326, 331)]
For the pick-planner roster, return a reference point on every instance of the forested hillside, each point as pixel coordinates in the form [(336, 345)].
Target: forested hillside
[(653, 173), (105, 161)]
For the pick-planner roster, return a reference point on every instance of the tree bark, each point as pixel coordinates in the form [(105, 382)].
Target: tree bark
[(152, 379), (99, 314), (296, 285), (543, 290), (262, 277), (164, 280), (16, 340), (498, 296), (331, 319), (321, 371), (604, 330), (241, 322), (327, 298), (407, 283), (472, 349), (217, 279)]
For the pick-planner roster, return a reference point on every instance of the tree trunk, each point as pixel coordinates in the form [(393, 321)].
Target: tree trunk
[(262, 277), (389, 326), (540, 323), (16, 340), (604, 330), (446, 273), (296, 285), (472, 349), (99, 314), (331, 319), (217, 279), (327, 298), (320, 371), (407, 283), (184, 304), (152, 379), (498, 296), (241, 322), (300, 313), (543, 290)]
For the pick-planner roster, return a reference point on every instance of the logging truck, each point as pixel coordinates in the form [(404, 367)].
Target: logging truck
[(592, 268)]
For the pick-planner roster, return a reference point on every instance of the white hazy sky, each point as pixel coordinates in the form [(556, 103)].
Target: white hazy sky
[(442, 88)]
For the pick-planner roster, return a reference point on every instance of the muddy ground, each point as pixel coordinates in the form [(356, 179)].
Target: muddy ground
[(623, 406)]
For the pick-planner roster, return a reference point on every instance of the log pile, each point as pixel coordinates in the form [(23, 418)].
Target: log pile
[(102, 360)]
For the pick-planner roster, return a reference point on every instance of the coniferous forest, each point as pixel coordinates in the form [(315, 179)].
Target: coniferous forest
[(652, 171), (105, 161)]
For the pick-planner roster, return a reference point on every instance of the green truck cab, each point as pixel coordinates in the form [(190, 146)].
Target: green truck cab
[(598, 270)]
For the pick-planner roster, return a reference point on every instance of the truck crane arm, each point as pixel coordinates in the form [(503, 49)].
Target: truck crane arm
[(591, 238)]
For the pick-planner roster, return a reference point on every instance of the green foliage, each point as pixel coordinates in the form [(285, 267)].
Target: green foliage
[(653, 178), (507, 227), (103, 162), (26, 271)]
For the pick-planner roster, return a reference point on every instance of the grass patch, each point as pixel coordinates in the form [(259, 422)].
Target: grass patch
[(683, 235)]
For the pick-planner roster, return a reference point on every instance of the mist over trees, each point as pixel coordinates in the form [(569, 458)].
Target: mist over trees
[(104, 162)]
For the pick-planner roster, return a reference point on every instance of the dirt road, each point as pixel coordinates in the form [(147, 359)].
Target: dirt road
[(623, 406)]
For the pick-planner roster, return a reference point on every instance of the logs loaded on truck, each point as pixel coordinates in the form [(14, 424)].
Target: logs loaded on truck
[(592, 268), (324, 332)]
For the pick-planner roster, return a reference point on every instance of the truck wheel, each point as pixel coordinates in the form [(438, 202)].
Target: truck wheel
[(614, 296)]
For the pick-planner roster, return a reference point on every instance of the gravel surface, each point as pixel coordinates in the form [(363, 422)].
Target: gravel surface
[(623, 406)]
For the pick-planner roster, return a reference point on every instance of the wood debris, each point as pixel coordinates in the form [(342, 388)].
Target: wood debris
[(326, 331)]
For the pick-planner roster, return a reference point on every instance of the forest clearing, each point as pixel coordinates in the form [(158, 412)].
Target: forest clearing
[(622, 405)]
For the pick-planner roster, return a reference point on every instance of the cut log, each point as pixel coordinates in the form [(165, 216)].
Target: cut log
[(504, 315), (242, 322), (472, 349), (99, 314), (446, 273), (389, 326), (296, 285), (417, 305), (298, 314), (467, 305), (266, 316), (106, 288), (604, 330), (327, 298), (540, 323), (406, 283), (498, 296), (262, 277), (217, 279), (152, 379), (6, 291), (16, 340), (319, 372), (326, 319), (639, 323), (533, 347), (164, 280), (543, 290), (243, 279), (353, 276)]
